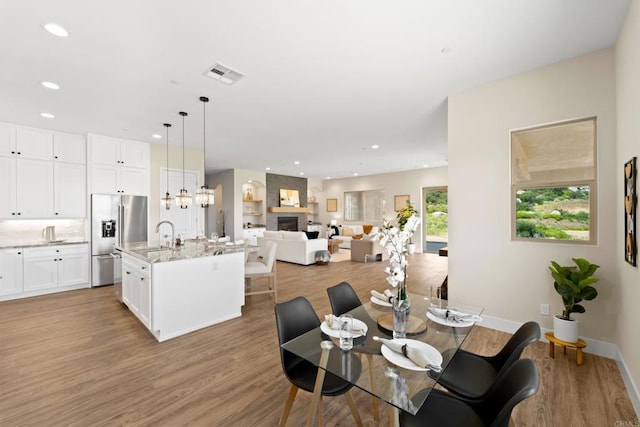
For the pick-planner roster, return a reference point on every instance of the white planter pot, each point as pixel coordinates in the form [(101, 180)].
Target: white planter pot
[(411, 248), (565, 330)]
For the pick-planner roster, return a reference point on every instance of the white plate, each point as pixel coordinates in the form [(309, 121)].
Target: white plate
[(358, 325), (403, 362), (380, 302), (447, 322)]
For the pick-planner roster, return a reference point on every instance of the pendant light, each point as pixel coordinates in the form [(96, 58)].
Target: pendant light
[(204, 196), (167, 200), (183, 199)]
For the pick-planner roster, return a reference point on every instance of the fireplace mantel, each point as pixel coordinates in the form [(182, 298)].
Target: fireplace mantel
[(289, 209)]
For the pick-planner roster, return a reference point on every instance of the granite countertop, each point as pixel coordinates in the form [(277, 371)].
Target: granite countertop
[(32, 244), (150, 252)]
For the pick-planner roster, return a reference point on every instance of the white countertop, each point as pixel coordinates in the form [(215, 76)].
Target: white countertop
[(32, 244)]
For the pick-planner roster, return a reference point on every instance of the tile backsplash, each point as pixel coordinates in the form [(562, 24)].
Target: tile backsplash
[(29, 231)]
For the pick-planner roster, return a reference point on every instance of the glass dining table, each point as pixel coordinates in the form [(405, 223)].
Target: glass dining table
[(389, 377)]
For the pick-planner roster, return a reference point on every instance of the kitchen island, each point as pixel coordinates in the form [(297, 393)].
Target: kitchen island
[(174, 291)]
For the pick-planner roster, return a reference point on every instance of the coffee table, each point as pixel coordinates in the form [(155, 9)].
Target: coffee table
[(334, 245)]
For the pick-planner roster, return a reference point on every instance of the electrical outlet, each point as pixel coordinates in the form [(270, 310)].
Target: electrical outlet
[(544, 309)]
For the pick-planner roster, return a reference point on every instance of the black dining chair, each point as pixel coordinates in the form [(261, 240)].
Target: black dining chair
[(294, 318), (519, 382), (471, 375), (342, 298)]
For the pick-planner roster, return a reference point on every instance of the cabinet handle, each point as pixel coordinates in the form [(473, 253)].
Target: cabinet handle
[(55, 259), (19, 152), (13, 152), (55, 157), (19, 213), (19, 253), (142, 278), (13, 213), (128, 272), (144, 268), (56, 213)]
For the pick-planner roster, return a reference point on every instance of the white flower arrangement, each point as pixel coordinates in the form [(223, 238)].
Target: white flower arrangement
[(395, 241)]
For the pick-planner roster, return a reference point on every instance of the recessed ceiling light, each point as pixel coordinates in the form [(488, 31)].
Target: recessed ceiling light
[(250, 181), (301, 173), (328, 177), (47, 115), (268, 169), (355, 174), (156, 136), (50, 85), (425, 165), (296, 162), (56, 30), (375, 146)]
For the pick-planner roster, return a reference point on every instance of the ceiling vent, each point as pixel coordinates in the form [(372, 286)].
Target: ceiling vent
[(224, 74)]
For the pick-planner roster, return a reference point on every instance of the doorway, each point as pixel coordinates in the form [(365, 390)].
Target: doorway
[(435, 219)]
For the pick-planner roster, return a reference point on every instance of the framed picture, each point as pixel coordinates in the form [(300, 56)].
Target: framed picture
[(332, 205), (630, 209), (400, 202), (289, 198)]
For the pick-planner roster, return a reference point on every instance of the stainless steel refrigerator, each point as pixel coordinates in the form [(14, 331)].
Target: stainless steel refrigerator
[(114, 220)]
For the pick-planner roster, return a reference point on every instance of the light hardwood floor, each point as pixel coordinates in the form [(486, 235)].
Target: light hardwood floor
[(81, 359)]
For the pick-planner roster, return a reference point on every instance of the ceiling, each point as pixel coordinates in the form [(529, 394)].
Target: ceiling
[(324, 80)]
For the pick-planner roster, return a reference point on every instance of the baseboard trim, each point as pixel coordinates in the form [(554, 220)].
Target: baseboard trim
[(599, 348)]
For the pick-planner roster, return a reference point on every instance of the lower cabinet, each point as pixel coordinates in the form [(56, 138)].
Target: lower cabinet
[(136, 288), (11, 271), (55, 266)]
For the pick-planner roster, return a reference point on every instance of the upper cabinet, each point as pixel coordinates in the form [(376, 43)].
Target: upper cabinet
[(43, 173), (119, 152), (25, 143), (69, 148), (119, 166)]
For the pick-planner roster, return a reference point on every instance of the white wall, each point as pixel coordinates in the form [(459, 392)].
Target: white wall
[(410, 182), (511, 279), (628, 132), (192, 162)]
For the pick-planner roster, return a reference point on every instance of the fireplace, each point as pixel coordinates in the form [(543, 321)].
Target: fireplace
[(288, 223)]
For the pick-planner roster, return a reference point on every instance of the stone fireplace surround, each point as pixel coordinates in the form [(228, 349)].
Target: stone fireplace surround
[(273, 185)]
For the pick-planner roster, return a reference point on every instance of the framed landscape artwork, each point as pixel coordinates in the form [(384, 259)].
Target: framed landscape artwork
[(630, 208)]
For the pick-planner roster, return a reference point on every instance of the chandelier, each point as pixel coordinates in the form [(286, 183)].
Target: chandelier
[(204, 196), (183, 199), (167, 200)]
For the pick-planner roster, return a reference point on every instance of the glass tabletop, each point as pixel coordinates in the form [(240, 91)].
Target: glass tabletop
[(367, 368)]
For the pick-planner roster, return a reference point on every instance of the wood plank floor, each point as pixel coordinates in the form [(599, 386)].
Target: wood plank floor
[(81, 359)]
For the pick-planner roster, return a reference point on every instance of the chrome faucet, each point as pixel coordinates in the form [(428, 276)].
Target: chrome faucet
[(173, 230)]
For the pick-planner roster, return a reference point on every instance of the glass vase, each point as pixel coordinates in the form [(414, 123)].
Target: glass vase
[(401, 308)]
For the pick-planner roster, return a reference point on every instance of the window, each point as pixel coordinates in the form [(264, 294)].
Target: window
[(367, 206), (553, 182)]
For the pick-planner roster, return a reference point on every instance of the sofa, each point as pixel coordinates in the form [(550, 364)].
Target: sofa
[(294, 246), (348, 232)]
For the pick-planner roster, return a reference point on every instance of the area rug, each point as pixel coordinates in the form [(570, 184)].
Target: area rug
[(341, 255)]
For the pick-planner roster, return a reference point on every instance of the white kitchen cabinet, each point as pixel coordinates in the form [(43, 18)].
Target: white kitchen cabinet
[(7, 139), (119, 166), (114, 180), (8, 183), (136, 288), (11, 271), (70, 190), (69, 148), (55, 266), (106, 150), (34, 189), (34, 143)]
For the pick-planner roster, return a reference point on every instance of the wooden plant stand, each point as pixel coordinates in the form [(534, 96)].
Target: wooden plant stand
[(553, 341)]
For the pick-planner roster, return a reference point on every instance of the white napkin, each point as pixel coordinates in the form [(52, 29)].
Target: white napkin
[(332, 321), (417, 356), (386, 297), (454, 315)]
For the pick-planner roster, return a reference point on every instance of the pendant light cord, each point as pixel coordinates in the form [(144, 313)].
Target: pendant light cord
[(167, 125), (183, 114)]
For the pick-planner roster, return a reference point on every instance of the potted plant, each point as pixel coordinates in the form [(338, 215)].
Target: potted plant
[(402, 217), (573, 284)]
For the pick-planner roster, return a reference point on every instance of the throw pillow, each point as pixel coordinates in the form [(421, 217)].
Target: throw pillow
[(367, 228), (346, 231), (312, 234), (357, 236)]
